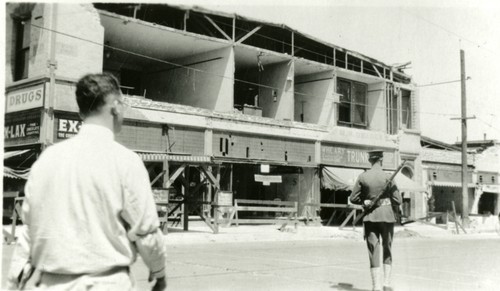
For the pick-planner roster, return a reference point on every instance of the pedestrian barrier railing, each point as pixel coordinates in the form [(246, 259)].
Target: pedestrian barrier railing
[(284, 212), (350, 210)]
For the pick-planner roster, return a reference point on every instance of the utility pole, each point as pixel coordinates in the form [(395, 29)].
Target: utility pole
[(463, 119)]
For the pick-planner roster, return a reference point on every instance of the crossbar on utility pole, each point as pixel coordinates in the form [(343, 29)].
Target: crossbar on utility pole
[(463, 118)]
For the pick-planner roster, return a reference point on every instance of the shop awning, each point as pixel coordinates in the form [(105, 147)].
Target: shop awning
[(490, 188), (343, 179), (15, 174), (11, 154), (450, 184), (159, 156), (339, 178), (406, 184)]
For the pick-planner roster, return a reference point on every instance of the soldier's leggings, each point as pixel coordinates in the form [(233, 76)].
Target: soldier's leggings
[(373, 232)]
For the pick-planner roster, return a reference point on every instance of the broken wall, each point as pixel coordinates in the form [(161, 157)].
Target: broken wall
[(314, 96), (277, 103), (209, 84)]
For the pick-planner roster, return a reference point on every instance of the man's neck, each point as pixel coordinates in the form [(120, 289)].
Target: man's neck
[(98, 120)]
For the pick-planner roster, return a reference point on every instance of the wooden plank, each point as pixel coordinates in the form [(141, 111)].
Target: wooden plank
[(158, 177), (266, 202), (331, 218), (242, 39), (176, 174), (260, 221), (347, 219), (266, 209), (217, 27), (211, 177), (376, 70), (335, 205)]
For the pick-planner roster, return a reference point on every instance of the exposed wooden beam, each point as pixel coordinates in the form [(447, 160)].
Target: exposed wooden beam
[(211, 177), (158, 177), (249, 34), (376, 70), (217, 27), (176, 174)]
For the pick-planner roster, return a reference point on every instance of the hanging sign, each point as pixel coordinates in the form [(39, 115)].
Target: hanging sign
[(267, 179)]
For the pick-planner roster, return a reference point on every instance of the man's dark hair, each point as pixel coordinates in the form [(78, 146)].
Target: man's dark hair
[(92, 90)]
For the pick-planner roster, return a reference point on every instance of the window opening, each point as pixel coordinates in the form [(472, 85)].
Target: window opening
[(352, 106)]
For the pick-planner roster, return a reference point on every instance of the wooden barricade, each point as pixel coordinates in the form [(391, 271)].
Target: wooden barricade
[(351, 209), (284, 207)]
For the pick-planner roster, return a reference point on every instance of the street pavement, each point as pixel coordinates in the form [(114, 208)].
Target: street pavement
[(320, 258)]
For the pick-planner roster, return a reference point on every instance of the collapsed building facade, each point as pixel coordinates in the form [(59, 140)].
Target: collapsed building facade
[(266, 109)]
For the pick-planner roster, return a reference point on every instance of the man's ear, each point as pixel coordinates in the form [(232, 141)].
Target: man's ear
[(114, 110)]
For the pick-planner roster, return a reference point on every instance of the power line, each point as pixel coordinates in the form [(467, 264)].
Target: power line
[(491, 126), (460, 37)]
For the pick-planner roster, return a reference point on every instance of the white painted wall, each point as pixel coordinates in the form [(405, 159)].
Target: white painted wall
[(203, 87), (76, 57), (314, 99), (276, 76), (376, 109)]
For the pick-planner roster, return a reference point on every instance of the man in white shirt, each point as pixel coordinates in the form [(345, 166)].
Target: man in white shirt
[(89, 207)]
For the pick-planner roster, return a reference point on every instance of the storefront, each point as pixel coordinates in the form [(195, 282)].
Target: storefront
[(22, 131), (445, 187), (342, 165), (486, 201)]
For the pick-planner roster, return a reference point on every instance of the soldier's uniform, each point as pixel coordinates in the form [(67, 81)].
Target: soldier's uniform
[(380, 221)]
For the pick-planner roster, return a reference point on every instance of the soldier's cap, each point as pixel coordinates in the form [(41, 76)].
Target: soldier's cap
[(375, 154)]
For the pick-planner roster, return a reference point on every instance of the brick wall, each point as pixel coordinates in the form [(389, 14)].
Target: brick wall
[(234, 145)]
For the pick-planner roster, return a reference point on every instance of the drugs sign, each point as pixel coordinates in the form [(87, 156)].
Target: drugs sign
[(24, 99)]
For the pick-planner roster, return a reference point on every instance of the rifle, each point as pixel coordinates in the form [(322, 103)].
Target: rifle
[(377, 198)]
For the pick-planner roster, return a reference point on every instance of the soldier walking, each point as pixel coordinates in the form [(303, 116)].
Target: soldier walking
[(379, 222)]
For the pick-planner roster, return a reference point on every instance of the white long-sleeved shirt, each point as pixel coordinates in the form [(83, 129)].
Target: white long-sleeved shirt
[(88, 207)]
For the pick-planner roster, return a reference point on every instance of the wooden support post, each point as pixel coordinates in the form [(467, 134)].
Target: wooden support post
[(236, 211), (234, 29), (166, 186), (353, 220), (231, 178), (185, 212), (454, 215)]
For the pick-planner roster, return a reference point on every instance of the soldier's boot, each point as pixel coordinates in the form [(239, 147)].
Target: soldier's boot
[(387, 277), (375, 272)]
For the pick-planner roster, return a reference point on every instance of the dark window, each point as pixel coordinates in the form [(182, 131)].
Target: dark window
[(130, 82), (352, 107), (23, 29), (406, 108)]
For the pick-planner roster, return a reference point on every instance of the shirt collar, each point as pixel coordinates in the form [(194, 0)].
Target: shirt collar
[(97, 131)]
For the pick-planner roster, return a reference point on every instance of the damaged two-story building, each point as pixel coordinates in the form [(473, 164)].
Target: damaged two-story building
[(268, 110)]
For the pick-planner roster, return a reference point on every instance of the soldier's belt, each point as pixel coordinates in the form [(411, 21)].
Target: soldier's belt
[(384, 202)]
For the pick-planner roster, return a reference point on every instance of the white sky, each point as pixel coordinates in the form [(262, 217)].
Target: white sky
[(426, 33)]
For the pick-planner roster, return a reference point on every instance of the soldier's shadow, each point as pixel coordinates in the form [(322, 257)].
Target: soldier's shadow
[(346, 286)]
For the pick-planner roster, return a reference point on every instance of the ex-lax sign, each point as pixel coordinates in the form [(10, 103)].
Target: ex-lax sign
[(67, 128), (24, 99)]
